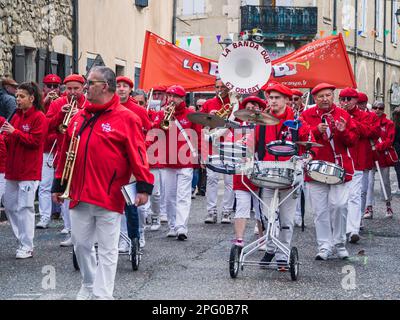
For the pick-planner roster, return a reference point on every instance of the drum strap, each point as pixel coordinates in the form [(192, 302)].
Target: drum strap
[(261, 143)]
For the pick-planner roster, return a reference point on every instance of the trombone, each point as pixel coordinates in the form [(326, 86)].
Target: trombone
[(50, 160), (70, 163)]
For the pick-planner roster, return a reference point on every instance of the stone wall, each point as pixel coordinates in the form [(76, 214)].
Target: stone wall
[(41, 20)]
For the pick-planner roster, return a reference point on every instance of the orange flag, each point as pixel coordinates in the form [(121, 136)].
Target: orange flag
[(324, 60)]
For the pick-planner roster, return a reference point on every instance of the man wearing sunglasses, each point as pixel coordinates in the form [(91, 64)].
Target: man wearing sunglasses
[(386, 156), (297, 102), (361, 156)]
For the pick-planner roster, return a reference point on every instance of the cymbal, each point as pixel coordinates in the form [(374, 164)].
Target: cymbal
[(206, 120), (309, 144), (257, 117)]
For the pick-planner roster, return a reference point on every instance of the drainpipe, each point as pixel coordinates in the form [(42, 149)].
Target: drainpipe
[(335, 15), (175, 5), (384, 53), (75, 36), (355, 38)]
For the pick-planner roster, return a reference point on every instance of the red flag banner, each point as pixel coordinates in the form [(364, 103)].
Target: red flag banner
[(324, 60)]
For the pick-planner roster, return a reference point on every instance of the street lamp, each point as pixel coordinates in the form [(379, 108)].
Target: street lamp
[(225, 43), (398, 16)]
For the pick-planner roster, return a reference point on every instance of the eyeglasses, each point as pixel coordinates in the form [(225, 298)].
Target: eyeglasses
[(141, 103), (52, 86), (92, 82), (345, 98), (378, 108)]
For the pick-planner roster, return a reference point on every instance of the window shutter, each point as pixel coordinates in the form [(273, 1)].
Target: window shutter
[(19, 63), (41, 65), (68, 66), (53, 62)]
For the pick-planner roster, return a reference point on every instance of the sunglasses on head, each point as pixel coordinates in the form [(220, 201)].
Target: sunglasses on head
[(52, 86), (345, 98), (378, 108)]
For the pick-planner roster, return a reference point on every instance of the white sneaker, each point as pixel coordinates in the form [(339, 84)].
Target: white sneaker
[(256, 230), (43, 223), (66, 243), (84, 294), (323, 254), (23, 254), (341, 251), (163, 218), (142, 240), (155, 224), (226, 218), (171, 233), (297, 221), (123, 247), (65, 231)]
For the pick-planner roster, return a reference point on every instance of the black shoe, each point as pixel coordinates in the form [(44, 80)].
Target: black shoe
[(182, 237), (354, 238), (266, 260), (200, 193), (56, 215)]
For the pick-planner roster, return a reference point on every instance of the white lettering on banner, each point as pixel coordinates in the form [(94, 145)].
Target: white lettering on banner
[(196, 66), (161, 42), (213, 69), (49, 280)]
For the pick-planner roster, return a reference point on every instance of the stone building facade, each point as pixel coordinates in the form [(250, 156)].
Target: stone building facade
[(35, 38)]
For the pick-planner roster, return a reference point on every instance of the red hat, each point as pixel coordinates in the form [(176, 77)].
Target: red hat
[(269, 84), (348, 92), (128, 81), (258, 100), (281, 89), (160, 88), (322, 86), (52, 78), (176, 90), (362, 97), (74, 77), (297, 92)]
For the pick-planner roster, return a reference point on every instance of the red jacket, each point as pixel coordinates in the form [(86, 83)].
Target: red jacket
[(3, 154), (141, 113), (55, 118), (177, 154), (25, 146), (384, 144), (342, 140), (111, 149), (361, 151)]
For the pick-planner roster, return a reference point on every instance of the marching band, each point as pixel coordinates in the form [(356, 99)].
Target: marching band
[(83, 145)]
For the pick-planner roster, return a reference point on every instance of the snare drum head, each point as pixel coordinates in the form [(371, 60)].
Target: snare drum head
[(325, 172), (282, 148)]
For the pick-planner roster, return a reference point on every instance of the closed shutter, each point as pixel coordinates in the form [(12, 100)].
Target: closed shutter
[(67, 66), (19, 64), (41, 65), (53, 62)]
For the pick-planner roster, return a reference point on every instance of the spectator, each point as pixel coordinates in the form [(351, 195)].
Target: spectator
[(8, 88)]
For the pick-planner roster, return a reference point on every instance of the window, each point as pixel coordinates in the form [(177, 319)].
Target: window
[(141, 3), (30, 64), (327, 9), (363, 13), (394, 21), (193, 7), (137, 76), (379, 18), (347, 15), (119, 70)]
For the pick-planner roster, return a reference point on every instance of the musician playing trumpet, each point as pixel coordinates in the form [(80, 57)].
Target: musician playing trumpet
[(61, 109)]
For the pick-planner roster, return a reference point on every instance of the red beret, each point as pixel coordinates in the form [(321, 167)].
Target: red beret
[(362, 97), (52, 78), (322, 86), (348, 92), (258, 100), (269, 84), (297, 92), (74, 77), (176, 90), (281, 89), (128, 81), (160, 88)]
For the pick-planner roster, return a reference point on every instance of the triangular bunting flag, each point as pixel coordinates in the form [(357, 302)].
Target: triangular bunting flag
[(387, 32), (321, 33), (201, 39), (178, 43), (347, 33), (218, 38), (189, 41), (359, 33), (334, 32)]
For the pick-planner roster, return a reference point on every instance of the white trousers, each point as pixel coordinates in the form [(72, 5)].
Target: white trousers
[(155, 198), (243, 205), (2, 186), (163, 199), (178, 193), (212, 191), (364, 189), (90, 223), (45, 202), (329, 208), (19, 205), (287, 212), (66, 215), (354, 205), (371, 185)]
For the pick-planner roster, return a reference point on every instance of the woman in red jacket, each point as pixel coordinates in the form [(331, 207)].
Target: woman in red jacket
[(24, 138)]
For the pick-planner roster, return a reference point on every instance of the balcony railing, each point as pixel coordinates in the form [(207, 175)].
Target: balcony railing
[(281, 22)]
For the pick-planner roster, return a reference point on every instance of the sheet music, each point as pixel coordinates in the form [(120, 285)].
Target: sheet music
[(129, 192)]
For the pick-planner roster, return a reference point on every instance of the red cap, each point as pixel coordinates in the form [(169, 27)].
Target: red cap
[(281, 89), (128, 81), (362, 97), (297, 92), (258, 100), (269, 84), (322, 86), (74, 77), (348, 92), (176, 90), (52, 78), (160, 88)]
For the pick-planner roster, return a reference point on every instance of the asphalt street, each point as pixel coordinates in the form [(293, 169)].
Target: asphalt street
[(198, 268)]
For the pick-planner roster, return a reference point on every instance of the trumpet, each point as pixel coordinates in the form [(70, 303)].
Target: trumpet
[(70, 163), (50, 160), (53, 95), (168, 115), (73, 105), (227, 108)]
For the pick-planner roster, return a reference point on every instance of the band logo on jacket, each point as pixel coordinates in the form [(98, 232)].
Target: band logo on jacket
[(106, 127), (26, 127)]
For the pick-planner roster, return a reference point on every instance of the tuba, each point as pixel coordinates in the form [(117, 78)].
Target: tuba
[(168, 115), (73, 105), (70, 163)]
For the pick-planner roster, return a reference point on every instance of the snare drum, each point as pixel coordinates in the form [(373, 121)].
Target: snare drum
[(325, 172), (232, 149), (282, 148), (227, 165), (274, 175)]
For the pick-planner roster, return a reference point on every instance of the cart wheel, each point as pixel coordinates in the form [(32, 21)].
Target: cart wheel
[(294, 264), (234, 260), (74, 260), (136, 255)]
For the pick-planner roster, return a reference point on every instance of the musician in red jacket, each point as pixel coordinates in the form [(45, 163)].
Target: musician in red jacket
[(361, 156), (334, 129), (108, 129), (24, 138), (181, 156), (386, 156), (74, 84)]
